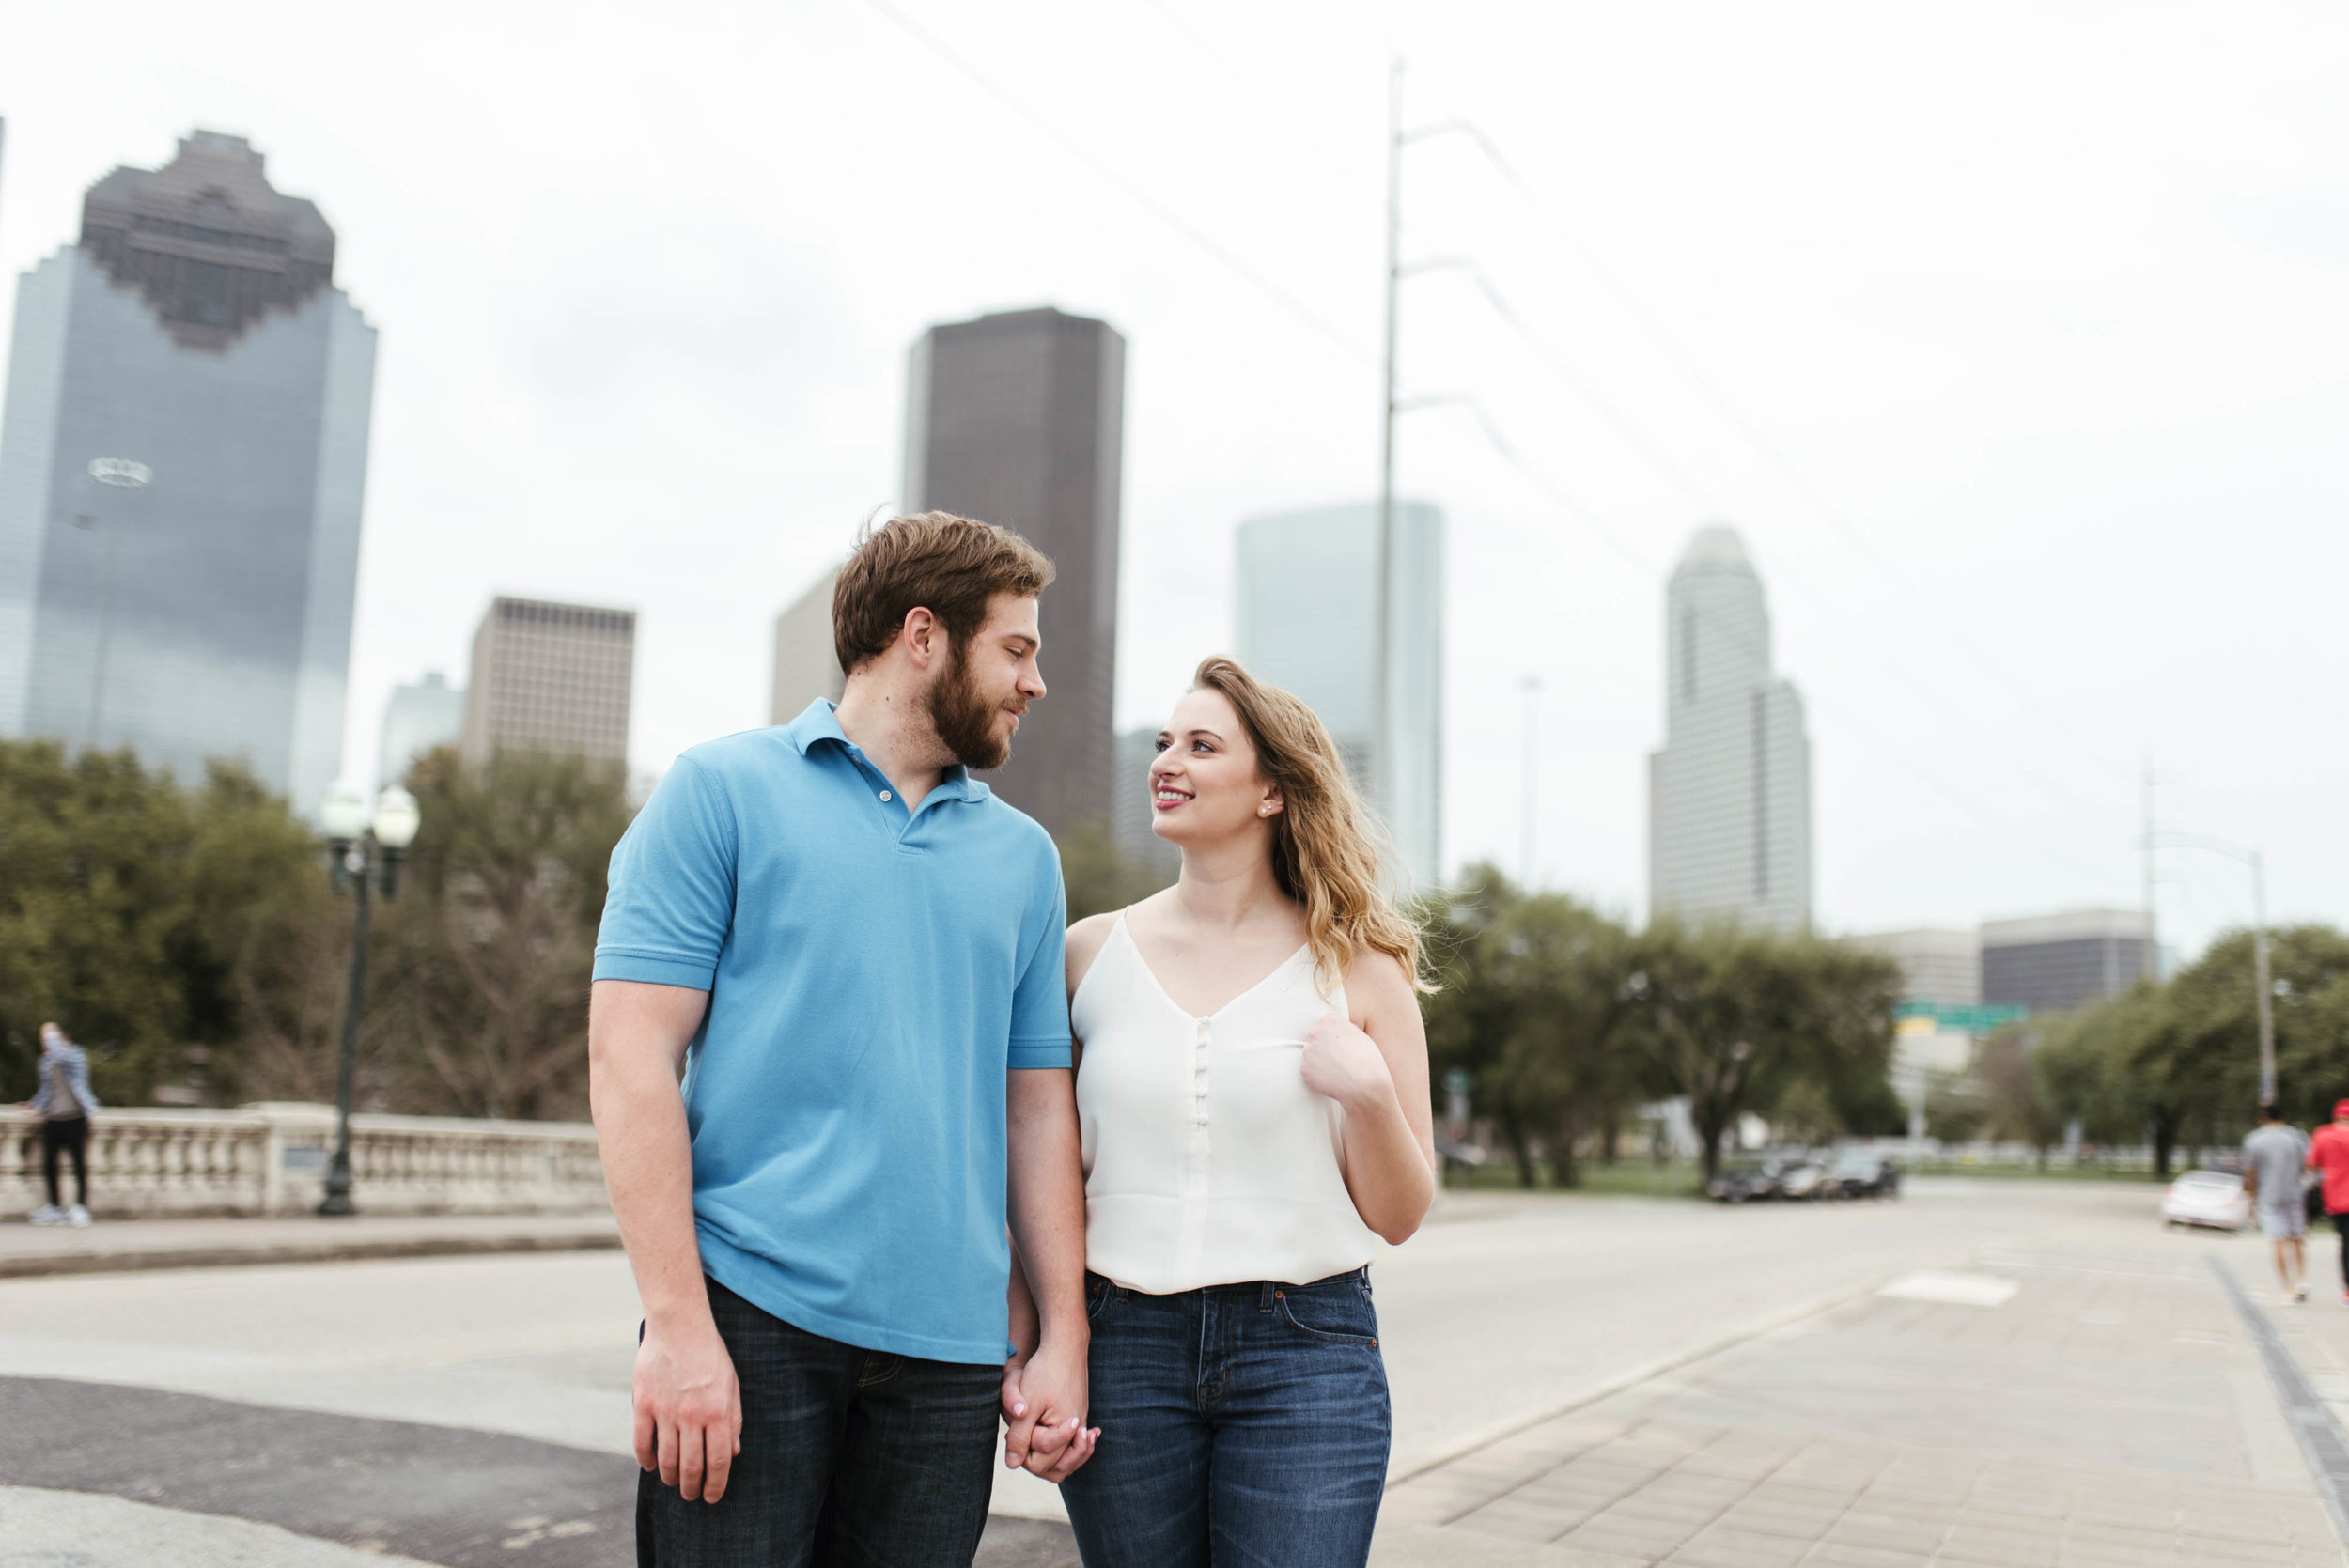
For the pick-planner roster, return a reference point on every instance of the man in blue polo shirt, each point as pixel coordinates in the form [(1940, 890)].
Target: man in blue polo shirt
[(853, 950)]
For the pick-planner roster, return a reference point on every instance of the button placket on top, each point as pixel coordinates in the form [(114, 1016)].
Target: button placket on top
[(1191, 1239)]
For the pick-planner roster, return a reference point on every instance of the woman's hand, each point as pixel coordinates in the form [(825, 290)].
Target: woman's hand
[(1346, 1065)]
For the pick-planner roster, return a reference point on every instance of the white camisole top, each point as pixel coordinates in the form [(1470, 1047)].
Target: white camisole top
[(1207, 1160)]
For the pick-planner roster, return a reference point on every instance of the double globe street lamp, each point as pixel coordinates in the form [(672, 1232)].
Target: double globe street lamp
[(369, 840)]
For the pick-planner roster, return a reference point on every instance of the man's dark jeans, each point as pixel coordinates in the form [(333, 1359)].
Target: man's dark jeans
[(1243, 1426), (850, 1458)]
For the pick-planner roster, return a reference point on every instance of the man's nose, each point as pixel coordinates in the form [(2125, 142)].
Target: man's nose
[(1032, 683)]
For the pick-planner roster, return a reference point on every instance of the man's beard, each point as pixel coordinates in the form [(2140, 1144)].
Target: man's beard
[(964, 719)]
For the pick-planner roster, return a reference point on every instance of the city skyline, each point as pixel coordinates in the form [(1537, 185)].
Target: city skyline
[(181, 470), (616, 381)]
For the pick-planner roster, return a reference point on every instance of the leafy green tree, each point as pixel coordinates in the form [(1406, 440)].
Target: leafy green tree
[(1532, 993), (1730, 1017), (2017, 1101), (478, 1005)]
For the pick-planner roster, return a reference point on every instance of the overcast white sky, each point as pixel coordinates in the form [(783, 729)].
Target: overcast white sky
[(2043, 309)]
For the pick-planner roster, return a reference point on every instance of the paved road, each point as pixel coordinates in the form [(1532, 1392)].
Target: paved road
[(1508, 1310)]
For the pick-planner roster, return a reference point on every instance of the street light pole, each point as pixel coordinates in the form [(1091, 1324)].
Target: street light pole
[(2257, 861), (337, 1203), (1382, 676), (119, 474), (2267, 988), (363, 850)]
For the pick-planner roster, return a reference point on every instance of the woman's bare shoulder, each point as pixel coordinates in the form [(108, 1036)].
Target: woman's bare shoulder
[(1083, 945), (1378, 983)]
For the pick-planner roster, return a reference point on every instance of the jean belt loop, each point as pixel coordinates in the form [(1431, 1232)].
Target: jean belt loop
[(1265, 1293)]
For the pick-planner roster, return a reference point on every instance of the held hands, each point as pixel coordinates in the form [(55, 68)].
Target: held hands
[(1044, 1410), (1344, 1063), (689, 1409)]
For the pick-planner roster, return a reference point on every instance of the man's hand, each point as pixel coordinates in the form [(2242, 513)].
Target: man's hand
[(689, 1409), (1044, 1405)]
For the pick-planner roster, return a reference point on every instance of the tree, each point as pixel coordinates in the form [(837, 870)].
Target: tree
[(2017, 1103), (1097, 877), (479, 1005), (1532, 997), (1729, 1018)]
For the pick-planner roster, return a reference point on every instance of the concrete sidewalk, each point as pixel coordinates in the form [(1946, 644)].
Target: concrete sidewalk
[(115, 1246), (2049, 1406)]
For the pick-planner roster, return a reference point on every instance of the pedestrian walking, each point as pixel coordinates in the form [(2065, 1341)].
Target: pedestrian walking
[(64, 1105), (1251, 1085), (2274, 1155), (852, 949), (2328, 1153)]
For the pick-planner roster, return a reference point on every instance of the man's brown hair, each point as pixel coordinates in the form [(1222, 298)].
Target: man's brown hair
[(934, 561)]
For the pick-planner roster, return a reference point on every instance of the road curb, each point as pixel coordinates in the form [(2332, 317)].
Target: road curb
[(325, 1249)]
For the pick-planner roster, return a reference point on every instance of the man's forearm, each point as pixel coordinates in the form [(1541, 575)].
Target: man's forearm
[(1048, 1200), (647, 1160)]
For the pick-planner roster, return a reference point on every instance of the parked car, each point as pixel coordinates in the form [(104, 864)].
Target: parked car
[(1856, 1174), (1804, 1178), (1747, 1182), (2212, 1199)]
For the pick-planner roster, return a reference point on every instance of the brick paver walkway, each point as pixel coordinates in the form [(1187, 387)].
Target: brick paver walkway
[(2112, 1413)]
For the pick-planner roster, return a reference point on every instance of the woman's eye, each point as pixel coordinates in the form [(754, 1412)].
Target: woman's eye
[(1159, 746)]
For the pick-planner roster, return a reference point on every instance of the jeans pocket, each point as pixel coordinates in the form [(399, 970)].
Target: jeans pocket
[(1331, 1316), (1096, 1297)]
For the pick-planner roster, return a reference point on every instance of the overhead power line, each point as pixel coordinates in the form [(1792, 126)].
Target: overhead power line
[(1133, 190)]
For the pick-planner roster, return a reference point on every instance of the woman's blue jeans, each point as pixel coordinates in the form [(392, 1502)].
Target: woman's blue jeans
[(1242, 1426)]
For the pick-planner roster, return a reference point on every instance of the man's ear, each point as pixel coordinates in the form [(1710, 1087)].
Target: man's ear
[(925, 638)]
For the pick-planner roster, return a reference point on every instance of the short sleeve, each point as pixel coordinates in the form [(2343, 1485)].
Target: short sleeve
[(671, 898), (1039, 1002)]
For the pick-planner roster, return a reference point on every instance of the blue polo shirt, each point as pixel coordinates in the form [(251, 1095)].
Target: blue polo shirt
[(871, 976)]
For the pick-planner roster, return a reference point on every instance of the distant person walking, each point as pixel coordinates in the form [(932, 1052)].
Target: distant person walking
[(2274, 1155), (64, 1105), (2328, 1152)]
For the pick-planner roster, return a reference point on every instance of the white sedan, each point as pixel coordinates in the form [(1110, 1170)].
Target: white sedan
[(2209, 1198)]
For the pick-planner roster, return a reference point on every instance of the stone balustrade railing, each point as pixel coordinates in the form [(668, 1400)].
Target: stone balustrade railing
[(271, 1159)]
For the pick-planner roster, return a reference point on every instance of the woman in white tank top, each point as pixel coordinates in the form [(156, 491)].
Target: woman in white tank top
[(1253, 1094)]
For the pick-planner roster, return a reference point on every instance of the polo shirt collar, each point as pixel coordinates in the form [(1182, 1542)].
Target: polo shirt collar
[(821, 721)]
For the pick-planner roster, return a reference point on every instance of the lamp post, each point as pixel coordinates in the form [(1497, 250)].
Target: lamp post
[(2257, 863), (122, 473), (365, 850)]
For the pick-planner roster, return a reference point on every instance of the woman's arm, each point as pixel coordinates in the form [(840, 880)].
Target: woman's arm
[(1376, 1066)]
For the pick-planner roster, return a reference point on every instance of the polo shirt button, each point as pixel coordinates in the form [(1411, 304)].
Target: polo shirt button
[(884, 795)]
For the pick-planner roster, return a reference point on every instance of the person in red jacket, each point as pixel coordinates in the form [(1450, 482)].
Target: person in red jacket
[(2328, 1152)]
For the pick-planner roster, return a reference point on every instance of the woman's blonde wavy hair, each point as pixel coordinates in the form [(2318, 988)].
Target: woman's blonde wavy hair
[(1326, 846)]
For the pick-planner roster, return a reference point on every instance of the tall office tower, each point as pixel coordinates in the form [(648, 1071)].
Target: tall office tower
[(186, 443), (1305, 618), (1941, 967), (2054, 963), (550, 677), (420, 717), (1019, 419), (1729, 794), (1130, 806), (807, 664)]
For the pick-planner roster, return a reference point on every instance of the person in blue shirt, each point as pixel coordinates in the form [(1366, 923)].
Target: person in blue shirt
[(63, 1105), (853, 952)]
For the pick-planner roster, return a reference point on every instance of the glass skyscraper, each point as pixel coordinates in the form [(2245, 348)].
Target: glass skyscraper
[(1729, 794), (1305, 618), (182, 465)]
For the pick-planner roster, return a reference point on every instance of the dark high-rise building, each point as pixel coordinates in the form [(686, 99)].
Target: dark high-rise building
[(2054, 963), (185, 446), (1019, 419)]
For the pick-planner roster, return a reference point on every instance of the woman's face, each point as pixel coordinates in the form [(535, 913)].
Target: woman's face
[(1203, 787)]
